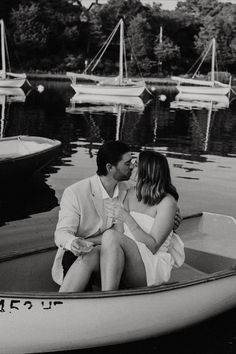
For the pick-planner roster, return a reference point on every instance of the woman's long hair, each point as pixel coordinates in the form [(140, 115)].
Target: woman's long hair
[(154, 180)]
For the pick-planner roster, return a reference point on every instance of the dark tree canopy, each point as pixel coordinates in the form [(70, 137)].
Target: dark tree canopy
[(62, 35)]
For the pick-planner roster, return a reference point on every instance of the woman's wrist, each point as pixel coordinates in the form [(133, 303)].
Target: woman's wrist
[(131, 223)]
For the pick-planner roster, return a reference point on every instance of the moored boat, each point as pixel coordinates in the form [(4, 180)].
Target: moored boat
[(114, 86), (22, 155), (204, 86), (36, 318)]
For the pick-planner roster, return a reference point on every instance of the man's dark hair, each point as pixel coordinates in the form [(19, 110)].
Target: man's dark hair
[(110, 152)]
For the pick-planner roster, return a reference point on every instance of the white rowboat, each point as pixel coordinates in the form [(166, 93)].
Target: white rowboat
[(34, 317), (22, 155)]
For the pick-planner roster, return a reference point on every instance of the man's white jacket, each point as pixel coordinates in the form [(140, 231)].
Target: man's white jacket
[(81, 214)]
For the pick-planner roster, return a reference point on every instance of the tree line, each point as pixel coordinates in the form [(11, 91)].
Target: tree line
[(61, 35)]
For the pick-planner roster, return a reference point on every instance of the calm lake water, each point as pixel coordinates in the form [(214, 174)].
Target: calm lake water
[(198, 138)]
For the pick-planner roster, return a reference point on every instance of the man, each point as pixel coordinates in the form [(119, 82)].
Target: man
[(83, 207)]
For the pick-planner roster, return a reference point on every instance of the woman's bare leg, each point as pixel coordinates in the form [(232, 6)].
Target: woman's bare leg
[(79, 274), (120, 258)]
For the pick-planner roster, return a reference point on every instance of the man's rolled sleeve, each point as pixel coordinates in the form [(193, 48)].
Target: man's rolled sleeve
[(68, 220)]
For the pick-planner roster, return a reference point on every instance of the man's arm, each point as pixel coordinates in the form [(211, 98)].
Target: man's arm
[(68, 220)]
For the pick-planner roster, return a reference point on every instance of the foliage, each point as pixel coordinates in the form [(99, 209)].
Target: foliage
[(166, 52), (61, 35), (29, 32)]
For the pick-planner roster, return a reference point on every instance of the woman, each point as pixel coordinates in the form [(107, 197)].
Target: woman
[(142, 249)]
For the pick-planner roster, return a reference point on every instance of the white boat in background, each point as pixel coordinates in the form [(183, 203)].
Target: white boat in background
[(36, 318), (8, 79), (196, 85), (116, 86)]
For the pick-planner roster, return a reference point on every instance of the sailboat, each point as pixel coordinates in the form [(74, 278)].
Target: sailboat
[(8, 79), (116, 86), (198, 86)]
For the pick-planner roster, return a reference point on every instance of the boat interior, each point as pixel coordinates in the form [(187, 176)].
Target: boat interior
[(210, 248), (20, 146)]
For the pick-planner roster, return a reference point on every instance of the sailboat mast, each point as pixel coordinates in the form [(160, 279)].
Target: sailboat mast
[(213, 58), (121, 70), (3, 50), (3, 102)]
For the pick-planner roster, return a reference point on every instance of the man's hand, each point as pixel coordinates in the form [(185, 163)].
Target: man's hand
[(80, 246), (178, 219)]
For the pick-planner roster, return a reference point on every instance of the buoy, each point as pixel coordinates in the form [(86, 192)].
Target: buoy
[(153, 88), (162, 98), (40, 88)]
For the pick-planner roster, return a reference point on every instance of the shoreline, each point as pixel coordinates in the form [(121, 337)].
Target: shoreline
[(63, 77), (167, 81)]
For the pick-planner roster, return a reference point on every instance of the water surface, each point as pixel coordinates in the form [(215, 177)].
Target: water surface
[(199, 140)]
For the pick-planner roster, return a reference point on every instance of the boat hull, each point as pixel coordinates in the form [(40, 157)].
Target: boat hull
[(12, 82), (109, 90), (35, 318), (203, 90), (21, 166), (53, 323)]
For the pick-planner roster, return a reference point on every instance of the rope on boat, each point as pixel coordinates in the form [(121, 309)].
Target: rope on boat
[(149, 91), (233, 91)]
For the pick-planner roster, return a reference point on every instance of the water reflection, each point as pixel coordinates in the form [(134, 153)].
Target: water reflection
[(181, 127), (8, 96), (31, 197), (204, 113), (109, 112), (104, 103), (191, 101)]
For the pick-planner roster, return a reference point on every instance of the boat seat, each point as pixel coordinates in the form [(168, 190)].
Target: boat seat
[(185, 273)]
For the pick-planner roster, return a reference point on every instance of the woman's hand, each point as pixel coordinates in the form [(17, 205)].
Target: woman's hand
[(80, 246), (118, 213), (177, 220)]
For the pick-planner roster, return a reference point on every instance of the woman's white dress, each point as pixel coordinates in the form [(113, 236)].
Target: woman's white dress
[(158, 266)]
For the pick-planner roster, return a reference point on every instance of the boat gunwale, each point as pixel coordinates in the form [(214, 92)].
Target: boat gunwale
[(116, 293), (108, 86)]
